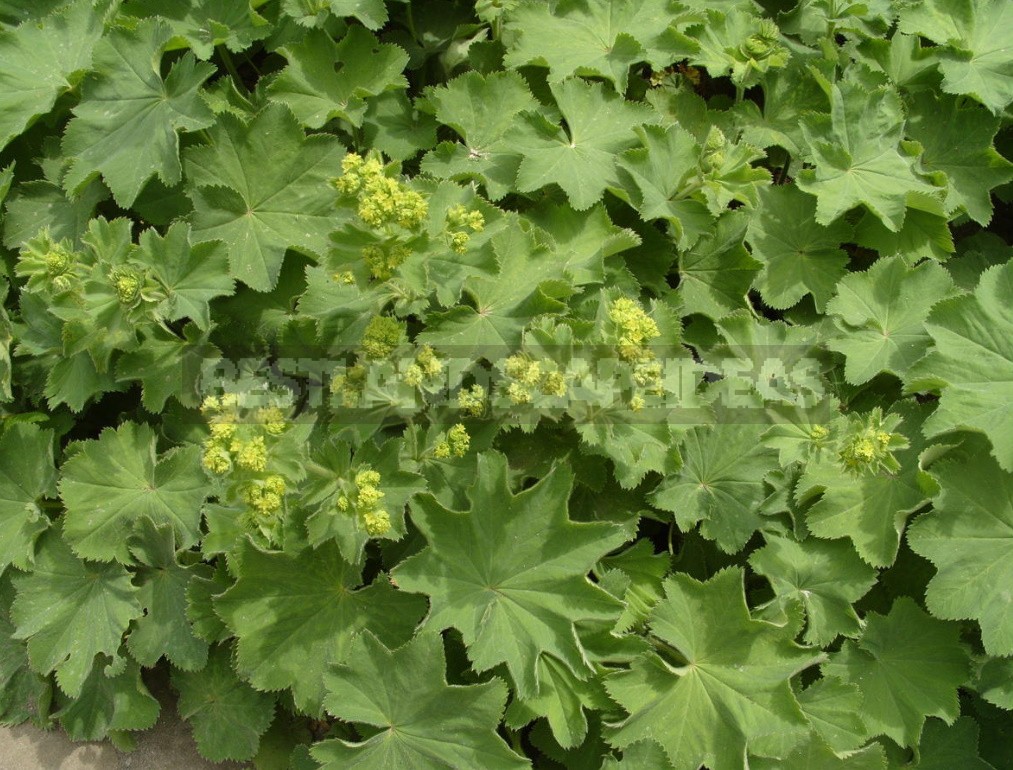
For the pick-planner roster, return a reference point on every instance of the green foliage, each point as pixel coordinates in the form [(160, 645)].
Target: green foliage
[(563, 384)]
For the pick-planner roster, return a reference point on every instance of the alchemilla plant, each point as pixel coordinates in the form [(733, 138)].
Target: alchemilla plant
[(560, 384)]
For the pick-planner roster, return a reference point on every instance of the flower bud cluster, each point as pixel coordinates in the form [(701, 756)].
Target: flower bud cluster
[(365, 502), (527, 377), (461, 220), (869, 446), (455, 444), (383, 335), (473, 401), (425, 367), (384, 260), (382, 200), (634, 329)]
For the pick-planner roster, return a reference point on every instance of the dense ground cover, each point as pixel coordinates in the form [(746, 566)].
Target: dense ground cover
[(575, 384)]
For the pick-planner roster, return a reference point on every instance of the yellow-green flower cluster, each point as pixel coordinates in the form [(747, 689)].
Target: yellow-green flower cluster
[(472, 401), (49, 264), (384, 260), (366, 503), (869, 446), (383, 200), (127, 284), (350, 385), (426, 366), (383, 335), (634, 329), (455, 444), (459, 221), (528, 376), (265, 497)]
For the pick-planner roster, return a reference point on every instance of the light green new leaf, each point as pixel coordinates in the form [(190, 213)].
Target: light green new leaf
[(581, 159), (163, 580), (511, 572), (881, 316), (190, 275), (799, 255), (295, 614), (969, 538), (313, 13), (226, 714), (26, 474), (972, 363), (977, 59), (599, 37), (70, 610), (908, 666), (422, 722), (109, 700), (827, 577), (113, 480), (720, 483), (204, 24), (870, 509), (958, 142), (482, 111), (858, 156), (260, 208), (127, 125), (41, 60), (725, 676), (326, 80)]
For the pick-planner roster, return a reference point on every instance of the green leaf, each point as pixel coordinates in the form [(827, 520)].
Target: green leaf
[(70, 610), (167, 366), (600, 37), (858, 156), (261, 209), (190, 275), (975, 60), (799, 255), (972, 363), (24, 694), (109, 701), (117, 478), (957, 141), (908, 666), (834, 709), (326, 80), (511, 573), (165, 628), (421, 721), (33, 206), (372, 13), (126, 125), (295, 614), (27, 474), (944, 747), (924, 234), (715, 661), (826, 577), (204, 24), (482, 111), (715, 275), (969, 538), (720, 483), (882, 316), (814, 755), (43, 59), (581, 158), (226, 714)]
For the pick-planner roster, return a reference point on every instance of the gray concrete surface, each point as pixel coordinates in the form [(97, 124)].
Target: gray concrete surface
[(167, 746)]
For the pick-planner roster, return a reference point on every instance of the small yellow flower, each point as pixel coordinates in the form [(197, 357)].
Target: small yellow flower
[(216, 458), (376, 523), (252, 454), (472, 400)]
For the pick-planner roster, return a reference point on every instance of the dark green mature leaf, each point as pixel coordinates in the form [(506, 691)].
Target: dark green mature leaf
[(227, 715), (261, 209), (109, 700), (26, 475), (70, 610), (41, 60), (422, 722), (103, 502), (295, 614), (969, 538), (713, 660), (972, 363), (126, 125), (908, 666), (204, 24), (511, 573)]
